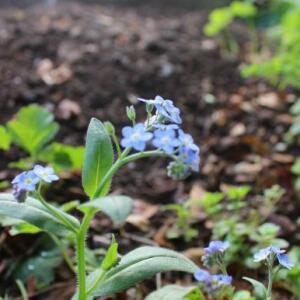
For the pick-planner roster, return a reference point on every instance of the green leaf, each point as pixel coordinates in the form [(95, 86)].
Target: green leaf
[(4, 138), (41, 267), (98, 158), (31, 212), (236, 193), (63, 157), (243, 295), (139, 265), (259, 289), (175, 292), (116, 207), (111, 256), (32, 128)]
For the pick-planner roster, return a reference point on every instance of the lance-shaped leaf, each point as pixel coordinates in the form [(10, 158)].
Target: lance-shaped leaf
[(5, 138), (31, 212), (117, 208), (139, 265), (98, 158), (175, 292), (259, 289)]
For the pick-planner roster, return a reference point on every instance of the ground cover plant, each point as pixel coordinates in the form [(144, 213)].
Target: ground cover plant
[(229, 221)]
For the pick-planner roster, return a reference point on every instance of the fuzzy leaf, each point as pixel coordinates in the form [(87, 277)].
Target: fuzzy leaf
[(33, 213), (98, 158), (116, 207), (259, 288), (139, 265), (175, 292)]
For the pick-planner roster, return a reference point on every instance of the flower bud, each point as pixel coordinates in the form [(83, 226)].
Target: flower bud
[(109, 128), (177, 170), (131, 113)]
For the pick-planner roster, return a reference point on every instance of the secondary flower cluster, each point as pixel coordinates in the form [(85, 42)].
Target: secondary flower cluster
[(212, 280), (214, 253), (270, 253), (27, 181), (162, 128)]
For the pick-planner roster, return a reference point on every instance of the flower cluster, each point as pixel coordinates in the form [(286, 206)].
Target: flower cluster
[(162, 129), (214, 254), (213, 281), (27, 181), (272, 252)]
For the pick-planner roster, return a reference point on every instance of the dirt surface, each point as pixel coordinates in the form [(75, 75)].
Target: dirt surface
[(109, 56)]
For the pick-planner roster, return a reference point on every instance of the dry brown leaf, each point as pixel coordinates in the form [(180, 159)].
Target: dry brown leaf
[(68, 108), (51, 75), (270, 100)]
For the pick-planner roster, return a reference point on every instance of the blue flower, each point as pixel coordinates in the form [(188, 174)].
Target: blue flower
[(203, 276), (45, 173), (221, 279), (213, 280), (135, 137), (165, 126), (265, 253), (190, 157), (165, 140), (216, 247), (165, 108), (26, 181), (187, 141)]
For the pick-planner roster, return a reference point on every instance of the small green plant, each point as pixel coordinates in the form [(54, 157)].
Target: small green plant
[(32, 130), (27, 203), (282, 69), (221, 18)]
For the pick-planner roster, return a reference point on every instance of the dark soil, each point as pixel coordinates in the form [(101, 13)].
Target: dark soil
[(116, 54)]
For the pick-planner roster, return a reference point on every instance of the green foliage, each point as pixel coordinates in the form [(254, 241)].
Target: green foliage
[(62, 157), (220, 18), (40, 266), (175, 292), (243, 295), (32, 128), (182, 227), (283, 68), (33, 213), (139, 265), (5, 138), (98, 158), (111, 256), (117, 208), (259, 289)]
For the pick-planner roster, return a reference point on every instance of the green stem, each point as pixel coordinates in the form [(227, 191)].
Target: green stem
[(124, 159), (53, 212), (270, 279), (81, 236), (22, 289)]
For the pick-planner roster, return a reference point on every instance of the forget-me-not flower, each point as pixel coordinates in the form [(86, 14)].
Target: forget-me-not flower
[(190, 157), (165, 126), (216, 247), (165, 109), (203, 276), (265, 253), (187, 141), (26, 181), (165, 140), (135, 137), (212, 280), (45, 173), (222, 279)]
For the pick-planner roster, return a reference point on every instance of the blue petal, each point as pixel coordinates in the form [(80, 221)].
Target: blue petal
[(284, 261)]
